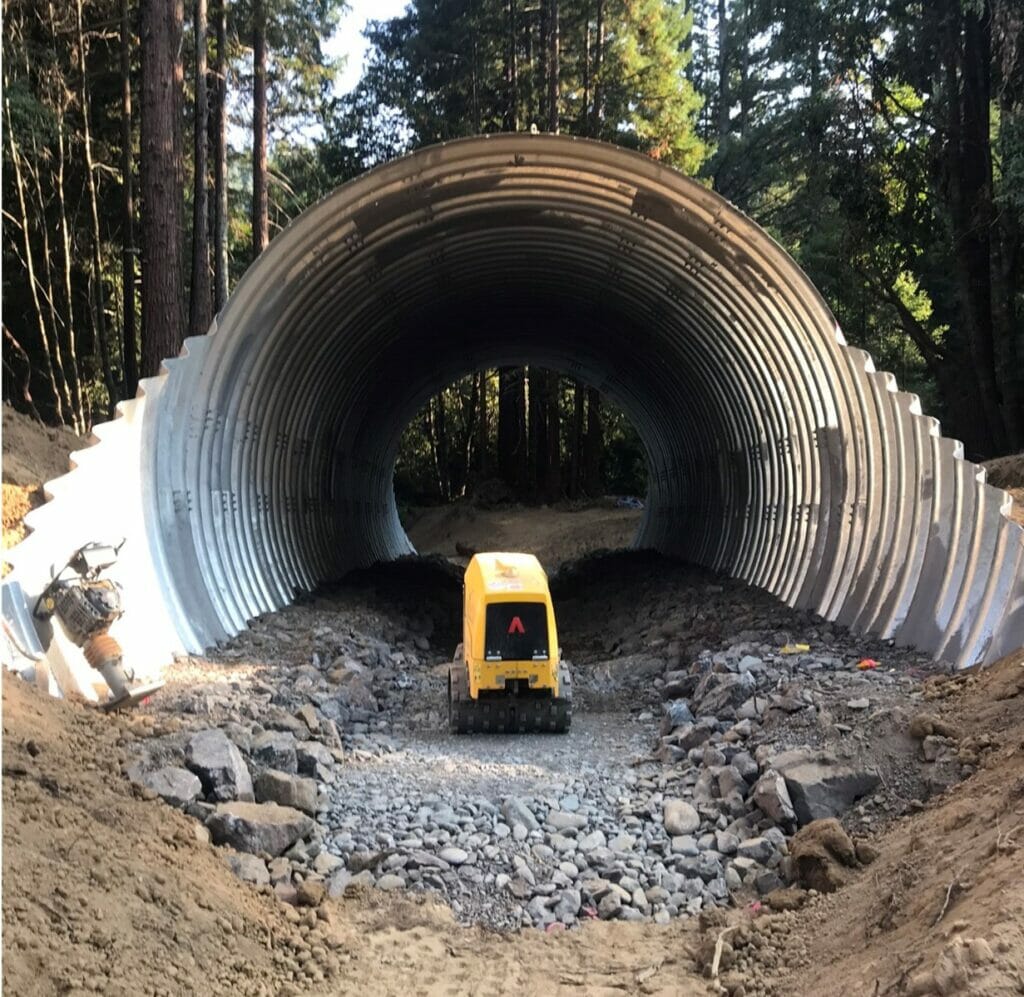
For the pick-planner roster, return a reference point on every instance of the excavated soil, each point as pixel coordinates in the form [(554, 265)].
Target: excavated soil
[(1008, 473), (32, 455), (554, 535)]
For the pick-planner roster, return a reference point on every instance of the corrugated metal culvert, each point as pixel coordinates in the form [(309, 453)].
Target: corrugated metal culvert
[(261, 462)]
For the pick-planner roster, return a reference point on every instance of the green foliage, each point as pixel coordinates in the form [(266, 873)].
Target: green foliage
[(441, 71)]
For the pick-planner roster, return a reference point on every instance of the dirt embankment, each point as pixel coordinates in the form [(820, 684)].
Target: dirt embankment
[(554, 535), (32, 454), (1008, 473)]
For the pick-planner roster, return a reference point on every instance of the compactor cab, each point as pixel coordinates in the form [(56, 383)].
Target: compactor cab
[(507, 676)]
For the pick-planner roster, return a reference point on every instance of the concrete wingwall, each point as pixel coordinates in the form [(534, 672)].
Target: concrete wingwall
[(260, 462)]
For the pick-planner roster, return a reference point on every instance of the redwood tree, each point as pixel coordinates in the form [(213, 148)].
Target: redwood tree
[(162, 185)]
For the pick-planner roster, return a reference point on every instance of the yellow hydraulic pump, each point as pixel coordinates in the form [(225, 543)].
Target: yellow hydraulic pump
[(507, 676)]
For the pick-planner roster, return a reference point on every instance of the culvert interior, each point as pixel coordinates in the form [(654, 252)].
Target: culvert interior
[(261, 462)]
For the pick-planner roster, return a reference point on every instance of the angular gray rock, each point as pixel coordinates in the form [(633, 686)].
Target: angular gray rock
[(562, 821), (675, 713), (219, 765), (248, 868), (276, 750), (515, 811), (719, 692), (287, 789), (174, 785), (820, 785), (309, 754), (771, 795), (258, 827)]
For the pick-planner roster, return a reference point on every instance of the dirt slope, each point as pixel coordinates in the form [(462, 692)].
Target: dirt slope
[(32, 455), (554, 535), (892, 931)]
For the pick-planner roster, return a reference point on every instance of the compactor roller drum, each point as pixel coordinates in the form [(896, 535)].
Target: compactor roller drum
[(507, 676)]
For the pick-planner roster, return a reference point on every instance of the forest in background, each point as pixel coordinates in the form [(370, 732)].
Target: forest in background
[(149, 156)]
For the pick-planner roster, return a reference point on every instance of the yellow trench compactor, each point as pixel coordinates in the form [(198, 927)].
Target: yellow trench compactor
[(507, 676)]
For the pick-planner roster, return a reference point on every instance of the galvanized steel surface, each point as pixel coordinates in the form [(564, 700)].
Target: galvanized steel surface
[(261, 462)]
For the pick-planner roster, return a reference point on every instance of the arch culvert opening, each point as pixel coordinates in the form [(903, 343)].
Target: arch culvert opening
[(520, 459)]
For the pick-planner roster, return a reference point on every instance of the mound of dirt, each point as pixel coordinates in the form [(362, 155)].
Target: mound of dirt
[(1008, 473), (18, 503), (33, 453), (552, 533)]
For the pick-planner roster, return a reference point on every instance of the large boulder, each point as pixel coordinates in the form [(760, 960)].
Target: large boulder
[(820, 785), (289, 790), (720, 693), (258, 827), (174, 785), (219, 765), (276, 749)]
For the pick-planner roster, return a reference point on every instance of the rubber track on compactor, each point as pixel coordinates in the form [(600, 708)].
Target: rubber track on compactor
[(504, 714)]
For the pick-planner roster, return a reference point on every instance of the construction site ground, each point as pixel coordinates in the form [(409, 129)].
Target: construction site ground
[(108, 889)]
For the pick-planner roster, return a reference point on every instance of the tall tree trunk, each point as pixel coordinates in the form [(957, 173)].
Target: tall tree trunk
[(584, 121), (200, 305), (554, 94), (743, 49), (441, 438), (723, 70), (68, 371), (129, 343), (162, 186), (220, 162), (98, 304), (482, 426), (597, 115), (579, 396), (553, 471), (541, 75), (260, 202), (511, 122), (538, 411), (512, 437), (969, 184), (593, 445)]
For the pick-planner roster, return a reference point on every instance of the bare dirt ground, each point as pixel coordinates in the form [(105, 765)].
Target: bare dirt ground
[(553, 535)]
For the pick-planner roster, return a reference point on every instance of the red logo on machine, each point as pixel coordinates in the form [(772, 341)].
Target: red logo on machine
[(516, 626)]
